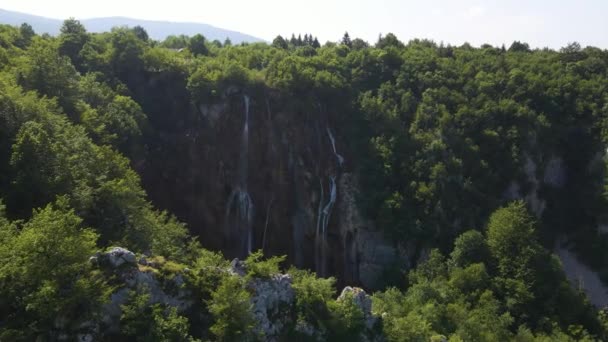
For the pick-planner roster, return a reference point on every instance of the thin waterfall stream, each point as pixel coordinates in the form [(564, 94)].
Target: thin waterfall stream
[(325, 210), (239, 201)]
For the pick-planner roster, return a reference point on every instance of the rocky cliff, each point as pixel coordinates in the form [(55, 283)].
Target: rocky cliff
[(265, 171)]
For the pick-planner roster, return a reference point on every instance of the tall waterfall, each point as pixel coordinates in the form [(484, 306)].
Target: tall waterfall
[(239, 201), (324, 211)]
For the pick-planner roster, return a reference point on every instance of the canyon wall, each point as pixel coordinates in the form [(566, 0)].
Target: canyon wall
[(267, 171)]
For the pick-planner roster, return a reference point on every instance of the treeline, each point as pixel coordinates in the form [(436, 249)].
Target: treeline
[(442, 139)]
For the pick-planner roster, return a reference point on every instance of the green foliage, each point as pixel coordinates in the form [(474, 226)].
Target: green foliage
[(116, 123), (312, 297), (469, 248), (126, 52), (441, 137), (142, 321), (42, 69), (45, 274), (26, 33), (257, 268), (175, 42), (512, 240), (464, 300), (197, 45), (214, 76), (346, 322), (280, 43), (72, 39), (231, 309)]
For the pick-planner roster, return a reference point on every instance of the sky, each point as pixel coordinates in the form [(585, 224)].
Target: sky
[(541, 23)]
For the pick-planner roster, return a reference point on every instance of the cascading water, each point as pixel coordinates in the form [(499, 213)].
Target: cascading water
[(333, 145), (239, 200), (324, 212)]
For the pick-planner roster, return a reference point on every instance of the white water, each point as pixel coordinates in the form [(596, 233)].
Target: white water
[(333, 145), (239, 200), (324, 212), (330, 204)]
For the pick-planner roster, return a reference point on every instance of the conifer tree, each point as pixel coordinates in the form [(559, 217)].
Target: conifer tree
[(346, 40)]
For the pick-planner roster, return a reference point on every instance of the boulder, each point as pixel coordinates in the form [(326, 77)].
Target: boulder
[(363, 301), (272, 299), (118, 256)]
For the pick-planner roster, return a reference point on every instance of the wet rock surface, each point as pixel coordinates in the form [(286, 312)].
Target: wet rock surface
[(291, 169)]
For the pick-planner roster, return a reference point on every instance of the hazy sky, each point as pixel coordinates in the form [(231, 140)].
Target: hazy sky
[(541, 23)]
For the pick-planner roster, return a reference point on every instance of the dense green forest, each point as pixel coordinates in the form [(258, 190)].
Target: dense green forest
[(479, 160)]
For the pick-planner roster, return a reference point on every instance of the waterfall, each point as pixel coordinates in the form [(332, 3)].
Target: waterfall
[(239, 200), (333, 145), (325, 210), (330, 203)]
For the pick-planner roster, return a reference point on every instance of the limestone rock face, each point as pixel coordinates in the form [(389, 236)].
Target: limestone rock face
[(272, 300), (366, 250), (537, 204), (123, 263), (554, 175), (293, 154)]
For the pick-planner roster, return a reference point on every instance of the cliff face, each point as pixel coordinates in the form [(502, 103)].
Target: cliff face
[(265, 171)]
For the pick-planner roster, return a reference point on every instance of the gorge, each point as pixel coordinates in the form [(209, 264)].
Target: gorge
[(297, 192)]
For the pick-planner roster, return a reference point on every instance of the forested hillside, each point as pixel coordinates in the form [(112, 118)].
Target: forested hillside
[(439, 179)]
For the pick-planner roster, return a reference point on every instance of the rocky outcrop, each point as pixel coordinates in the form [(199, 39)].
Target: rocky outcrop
[(554, 174), (122, 264), (116, 256), (273, 298), (363, 301)]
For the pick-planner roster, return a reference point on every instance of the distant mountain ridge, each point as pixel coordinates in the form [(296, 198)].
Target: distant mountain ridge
[(158, 30)]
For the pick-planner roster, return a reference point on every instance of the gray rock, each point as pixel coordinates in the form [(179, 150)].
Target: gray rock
[(118, 256), (363, 301), (367, 251), (272, 299), (536, 203), (237, 267), (136, 280)]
